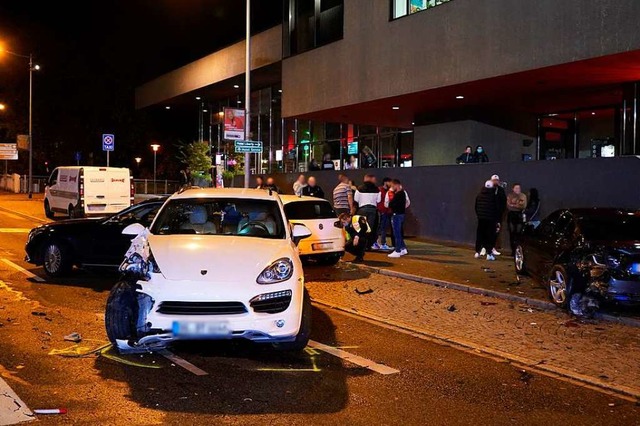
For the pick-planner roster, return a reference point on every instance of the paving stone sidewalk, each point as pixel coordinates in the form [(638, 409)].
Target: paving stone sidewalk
[(603, 353)]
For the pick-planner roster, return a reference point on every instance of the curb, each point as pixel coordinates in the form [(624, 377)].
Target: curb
[(540, 304), (621, 391)]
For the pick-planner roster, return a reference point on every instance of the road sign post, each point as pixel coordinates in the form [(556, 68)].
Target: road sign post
[(248, 147), (108, 144)]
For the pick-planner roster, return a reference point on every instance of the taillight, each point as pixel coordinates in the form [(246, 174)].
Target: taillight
[(132, 190)]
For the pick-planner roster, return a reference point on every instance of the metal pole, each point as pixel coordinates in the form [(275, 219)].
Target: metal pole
[(30, 179), (247, 97), (107, 158), (155, 188)]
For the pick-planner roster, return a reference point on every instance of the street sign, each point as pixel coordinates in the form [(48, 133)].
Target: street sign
[(8, 151), (108, 142), (251, 147), (23, 142)]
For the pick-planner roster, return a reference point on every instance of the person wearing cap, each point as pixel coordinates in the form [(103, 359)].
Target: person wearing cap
[(501, 199), (487, 212)]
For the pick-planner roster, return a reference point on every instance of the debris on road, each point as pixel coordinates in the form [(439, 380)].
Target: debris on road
[(488, 303), (38, 313), (361, 292), (571, 323), (74, 337), (452, 308), (50, 411), (525, 376)]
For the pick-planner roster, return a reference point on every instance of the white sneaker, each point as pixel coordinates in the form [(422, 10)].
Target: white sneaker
[(495, 252), (477, 255), (403, 251), (483, 252), (490, 257), (396, 254)]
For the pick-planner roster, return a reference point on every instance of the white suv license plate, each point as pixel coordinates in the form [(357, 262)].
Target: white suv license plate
[(201, 329)]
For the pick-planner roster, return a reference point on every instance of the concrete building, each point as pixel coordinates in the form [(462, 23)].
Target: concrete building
[(411, 83)]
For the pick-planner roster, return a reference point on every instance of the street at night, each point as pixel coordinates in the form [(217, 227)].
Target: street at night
[(373, 365)]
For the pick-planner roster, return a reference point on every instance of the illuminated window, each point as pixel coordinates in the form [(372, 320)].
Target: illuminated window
[(400, 8)]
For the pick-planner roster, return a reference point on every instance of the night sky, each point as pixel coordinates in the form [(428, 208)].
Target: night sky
[(93, 54)]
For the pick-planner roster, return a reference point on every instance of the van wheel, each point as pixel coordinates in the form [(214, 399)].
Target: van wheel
[(47, 210), (121, 315), (56, 259), (71, 212), (302, 338)]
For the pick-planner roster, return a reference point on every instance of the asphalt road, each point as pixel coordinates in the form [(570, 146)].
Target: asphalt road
[(399, 379)]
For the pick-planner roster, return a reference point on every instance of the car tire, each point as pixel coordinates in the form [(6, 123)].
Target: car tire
[(121, 313), (47, 210), (302, 338), (560, 283), (519, 261), (56, 259)]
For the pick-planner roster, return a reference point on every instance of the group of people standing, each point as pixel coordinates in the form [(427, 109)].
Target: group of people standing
[(491, 205), (377, 206)]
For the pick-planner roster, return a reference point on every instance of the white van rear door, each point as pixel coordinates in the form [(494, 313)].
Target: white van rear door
[(106, 190)]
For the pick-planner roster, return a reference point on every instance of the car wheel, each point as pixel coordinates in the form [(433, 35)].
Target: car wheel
[(121, 314), (47, 210), (56, 259), (518, 260), (302, 338), (560, 286)]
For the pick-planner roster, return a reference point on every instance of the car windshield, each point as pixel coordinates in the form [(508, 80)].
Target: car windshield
[(221, 216), (304, 210), (611, 228)]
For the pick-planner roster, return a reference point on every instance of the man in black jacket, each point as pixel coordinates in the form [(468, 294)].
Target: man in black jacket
[(501, 199), (357, 234), (312, 189), (367, 197), (487, 212), (467, 156)]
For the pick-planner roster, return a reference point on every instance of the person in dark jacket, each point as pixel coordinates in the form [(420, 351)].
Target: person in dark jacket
[(398, 205), (312, 189), (467, 157), (357, 233), (488, 215), (480, 155), (271, 185), (501, 199)]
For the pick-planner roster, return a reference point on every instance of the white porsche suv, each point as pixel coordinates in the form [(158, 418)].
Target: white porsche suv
[(215, 264)]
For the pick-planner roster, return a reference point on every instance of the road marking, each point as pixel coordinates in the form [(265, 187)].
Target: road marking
[(23, 271), (354, 359), (15, 230), (12, 409), (182, 362), (20, 215)]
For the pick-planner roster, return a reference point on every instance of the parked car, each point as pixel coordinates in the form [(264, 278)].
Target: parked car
[(82, 191), (584, 256), (58, 246), (215, 264), (326, 244)]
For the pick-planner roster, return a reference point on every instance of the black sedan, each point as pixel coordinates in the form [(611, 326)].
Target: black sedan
[(58, 246), (584, 256)]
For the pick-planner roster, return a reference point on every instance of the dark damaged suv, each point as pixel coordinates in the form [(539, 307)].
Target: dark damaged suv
[(585, 257)]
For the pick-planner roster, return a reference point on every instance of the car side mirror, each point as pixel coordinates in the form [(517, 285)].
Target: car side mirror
[(134, 229), (299, 233)]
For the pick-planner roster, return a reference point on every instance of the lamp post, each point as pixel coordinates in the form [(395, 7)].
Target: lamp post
[(155, 148), (138, 160), (247, 96), (32, 68)]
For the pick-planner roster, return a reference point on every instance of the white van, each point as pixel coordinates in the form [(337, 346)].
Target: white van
[(80, 191)]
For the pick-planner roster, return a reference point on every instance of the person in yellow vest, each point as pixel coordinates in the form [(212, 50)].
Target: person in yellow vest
[(357, 232)]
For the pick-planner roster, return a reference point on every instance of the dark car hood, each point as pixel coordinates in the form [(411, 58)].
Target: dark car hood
[(73, 224), (623, 247)]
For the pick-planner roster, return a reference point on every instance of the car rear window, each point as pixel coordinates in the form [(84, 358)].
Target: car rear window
[(305, 210)]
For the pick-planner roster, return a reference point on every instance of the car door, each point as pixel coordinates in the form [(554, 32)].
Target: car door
[(558, 240), (52, 190), (537, 245), (109, 244)]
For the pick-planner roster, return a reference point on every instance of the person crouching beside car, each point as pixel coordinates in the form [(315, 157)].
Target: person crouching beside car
[(357, 232)]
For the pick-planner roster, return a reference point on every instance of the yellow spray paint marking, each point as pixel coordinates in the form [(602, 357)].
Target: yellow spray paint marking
[(80, 350), (110, 353), (15, 230), (312, 355)]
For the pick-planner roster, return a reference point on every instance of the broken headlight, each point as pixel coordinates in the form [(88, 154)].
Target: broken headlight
[(135, 264), (605, 260)]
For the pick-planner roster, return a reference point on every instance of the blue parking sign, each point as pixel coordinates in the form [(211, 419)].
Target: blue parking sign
[(108, 142)]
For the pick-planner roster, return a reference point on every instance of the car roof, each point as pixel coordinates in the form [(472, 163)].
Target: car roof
[(254, 194), (286, 199)]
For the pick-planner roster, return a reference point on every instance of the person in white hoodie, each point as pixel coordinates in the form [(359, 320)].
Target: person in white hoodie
[(299, 185)]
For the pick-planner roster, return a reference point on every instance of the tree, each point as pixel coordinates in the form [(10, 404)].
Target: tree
[(196, 156)]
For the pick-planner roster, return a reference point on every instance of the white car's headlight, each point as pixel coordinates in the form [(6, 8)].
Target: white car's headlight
[(278, 271)]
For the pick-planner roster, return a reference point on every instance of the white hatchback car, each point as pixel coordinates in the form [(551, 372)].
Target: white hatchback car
[(215, 264), (326, 244)]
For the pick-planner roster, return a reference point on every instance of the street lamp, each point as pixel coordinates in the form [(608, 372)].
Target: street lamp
[(155, 147), (32, 67), (138, 160), (3, 107)]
